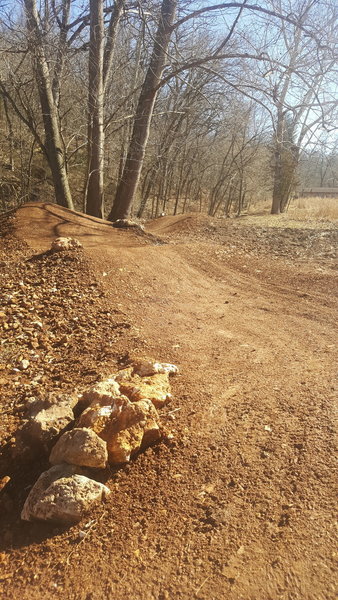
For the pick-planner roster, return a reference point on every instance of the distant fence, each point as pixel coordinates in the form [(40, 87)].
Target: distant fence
[(318, 192)]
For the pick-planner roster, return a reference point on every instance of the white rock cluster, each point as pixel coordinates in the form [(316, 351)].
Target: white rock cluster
[(61, 244), (119, 418)]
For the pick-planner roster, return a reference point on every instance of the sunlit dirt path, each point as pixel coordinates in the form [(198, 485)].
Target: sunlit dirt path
[(241, 504)]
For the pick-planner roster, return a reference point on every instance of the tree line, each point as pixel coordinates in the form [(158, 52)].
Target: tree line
[(159, 106)]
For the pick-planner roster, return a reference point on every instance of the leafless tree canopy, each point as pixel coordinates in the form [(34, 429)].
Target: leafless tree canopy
[(114, 107)]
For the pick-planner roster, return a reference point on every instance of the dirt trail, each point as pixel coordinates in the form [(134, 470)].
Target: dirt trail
[(241, 504)]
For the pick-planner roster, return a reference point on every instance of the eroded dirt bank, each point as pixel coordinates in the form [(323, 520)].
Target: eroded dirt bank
[(240, 504)]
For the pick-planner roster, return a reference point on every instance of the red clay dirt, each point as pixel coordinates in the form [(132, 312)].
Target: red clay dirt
[(240, 503)]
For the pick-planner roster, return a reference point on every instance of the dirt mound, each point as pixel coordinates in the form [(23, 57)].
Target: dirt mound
[(40, 223), (190, 222), (240, 502)]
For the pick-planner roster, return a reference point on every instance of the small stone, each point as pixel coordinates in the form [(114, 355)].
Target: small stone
[(80, 447), (42, 484), (144, 368), (98, 415), (4, 481), (23, 364), (230, 573), (166, 368), (34, 405), (61, 495), (124, 374)]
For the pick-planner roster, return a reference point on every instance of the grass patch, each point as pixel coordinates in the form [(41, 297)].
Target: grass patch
[(315, 208)]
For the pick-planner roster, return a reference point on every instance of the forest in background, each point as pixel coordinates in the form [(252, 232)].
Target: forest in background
[(151, 107)]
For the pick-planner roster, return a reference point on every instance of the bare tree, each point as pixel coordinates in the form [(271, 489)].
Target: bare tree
[(53, 143), (174, 82), (132, 169), (94, 187), (297, 91), (153, 81), (100, 64)]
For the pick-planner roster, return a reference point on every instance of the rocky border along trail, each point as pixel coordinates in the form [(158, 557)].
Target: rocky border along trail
[(58, 336), (58, 331), (114, 420), (117, 419)]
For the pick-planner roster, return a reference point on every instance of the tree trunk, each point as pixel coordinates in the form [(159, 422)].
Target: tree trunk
[(167, 189), (109, 49), (100, 64), (187, 194), (277, 182), (282, 134), (240, 196), (132, 170), (228, 202), (10, 135), (178, 188), (285, 168), (149, 184), (94, 191), (53, 142), (61, 50)]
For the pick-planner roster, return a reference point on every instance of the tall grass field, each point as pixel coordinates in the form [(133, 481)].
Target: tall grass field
[(315, 208)]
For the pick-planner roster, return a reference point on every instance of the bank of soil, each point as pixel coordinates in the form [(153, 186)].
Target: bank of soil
[(239, 504)]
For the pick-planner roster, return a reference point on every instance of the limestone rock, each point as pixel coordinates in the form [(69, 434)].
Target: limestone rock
[(126, 427), (138, 429), (42, 484), (24, 364), (167, 368), (124, 374), (61, 495), (96, 416), (155, 388), (64, 243), (45, 424), (144, 368), (67, 500), (80, 447), (34, 405), (102, 393), (46, 419)]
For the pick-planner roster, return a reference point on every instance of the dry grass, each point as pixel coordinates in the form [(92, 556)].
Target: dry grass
[(302, 209), (258, 206), (314, 208)]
